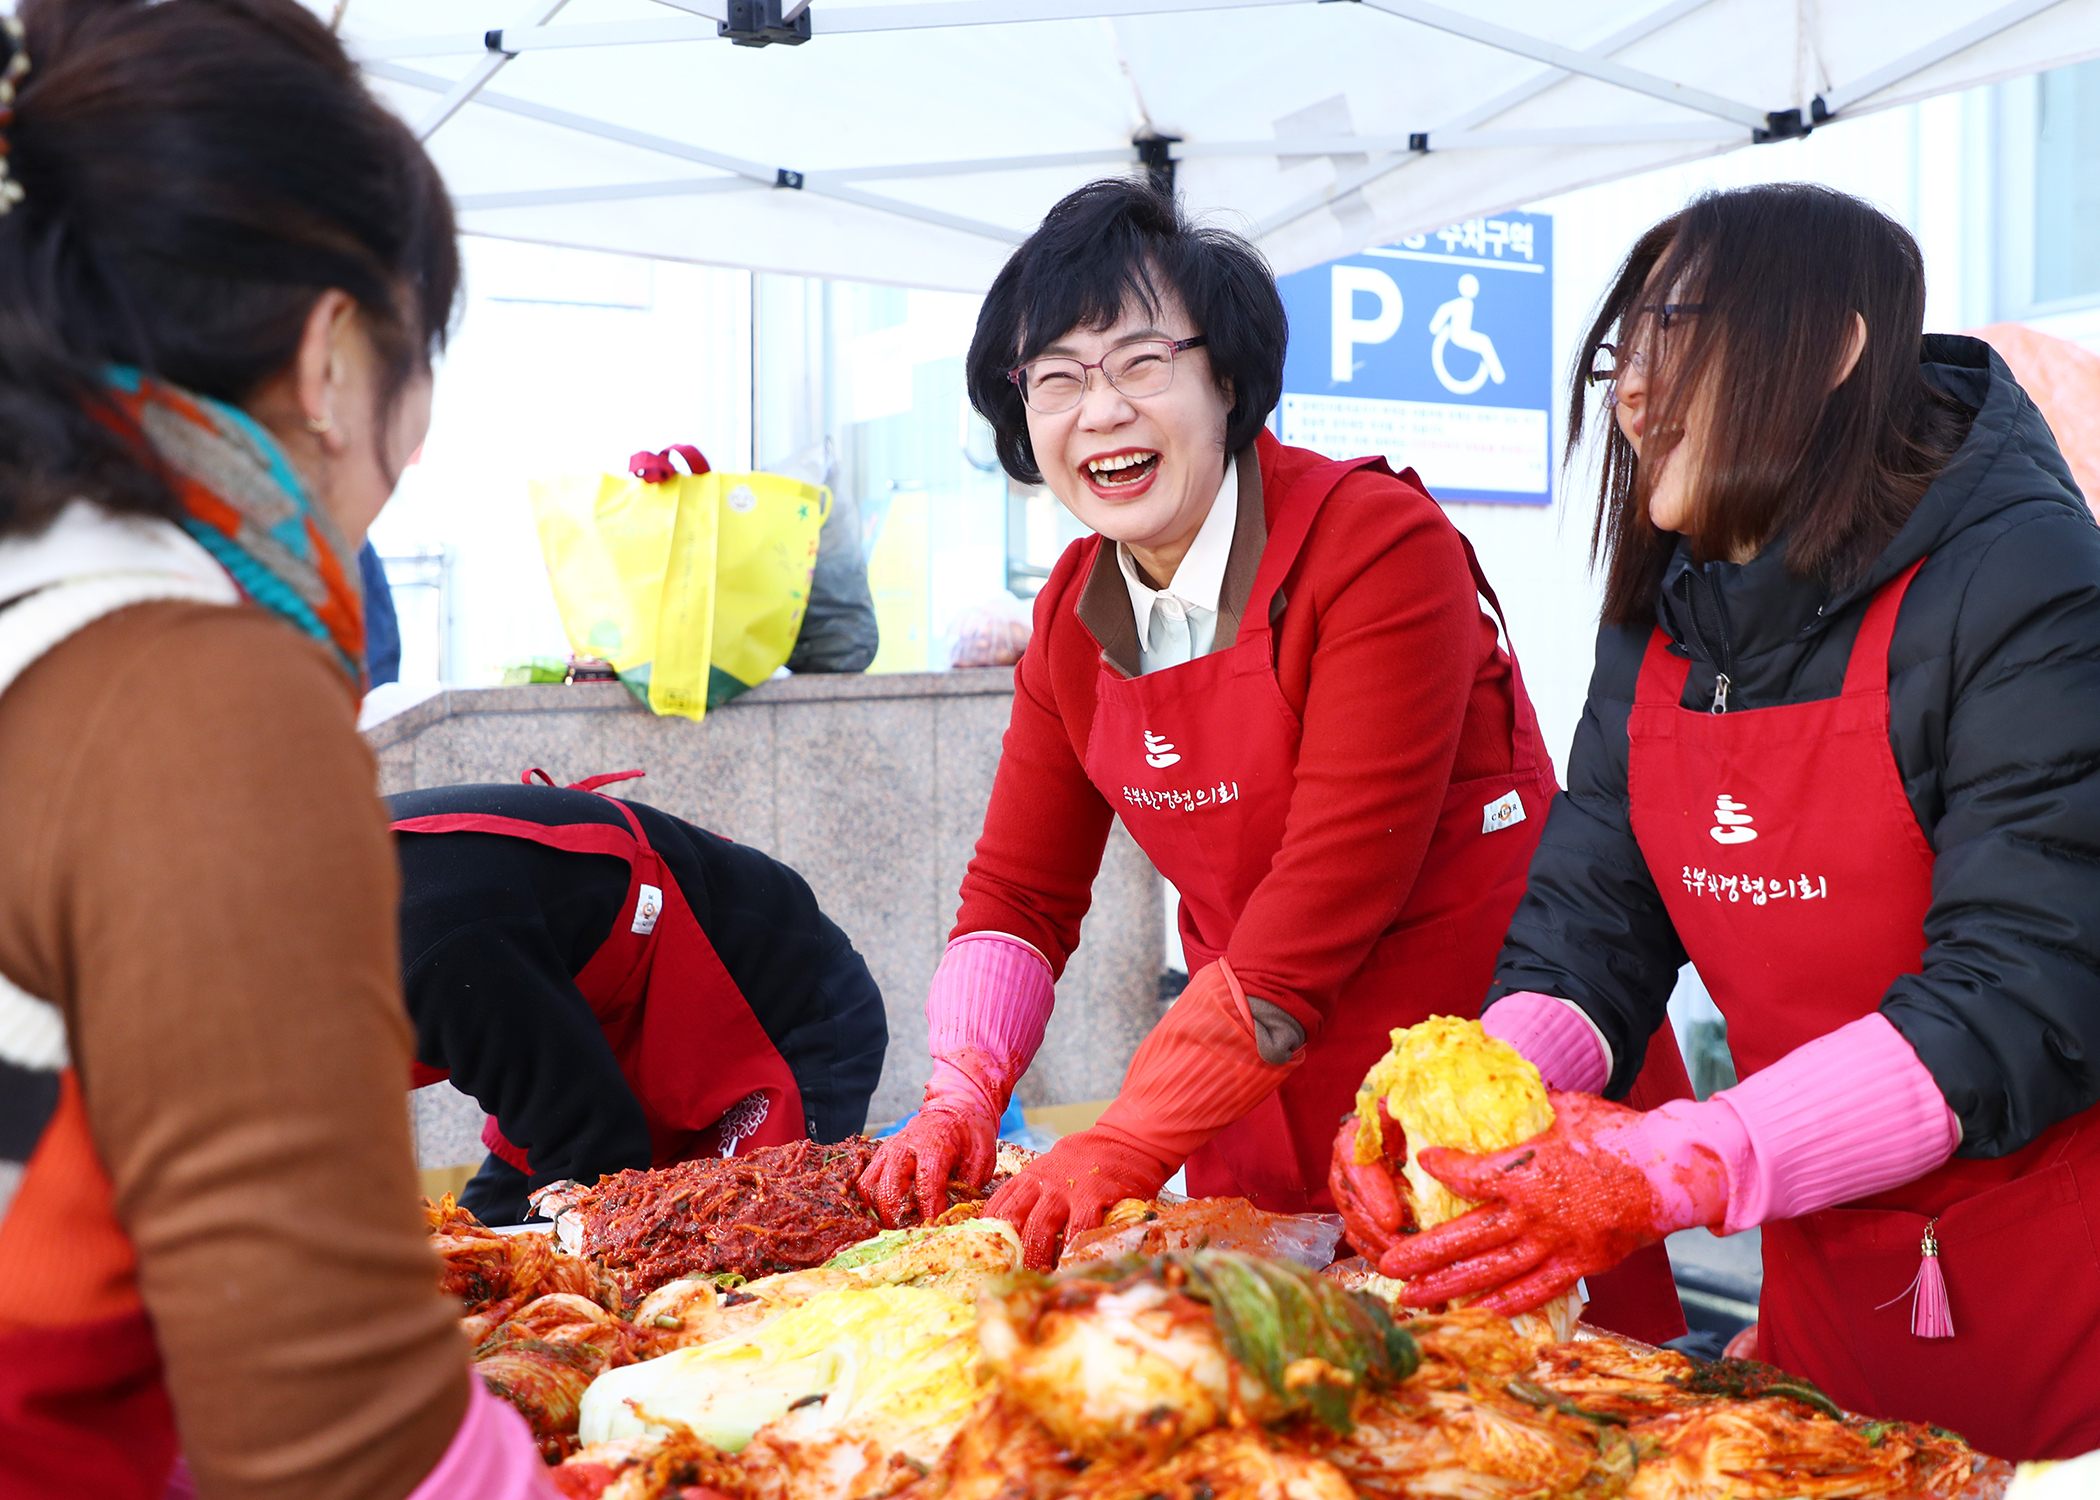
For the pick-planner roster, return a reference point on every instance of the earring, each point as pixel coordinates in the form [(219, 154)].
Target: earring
[(320, 424)]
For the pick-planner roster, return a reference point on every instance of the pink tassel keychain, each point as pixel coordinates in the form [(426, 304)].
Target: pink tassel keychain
[(1931, 1316)]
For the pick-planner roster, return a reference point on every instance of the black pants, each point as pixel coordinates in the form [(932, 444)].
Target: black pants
[(836, 1064)]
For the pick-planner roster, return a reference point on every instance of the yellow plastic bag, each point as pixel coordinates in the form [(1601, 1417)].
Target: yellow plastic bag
[(692, 585)]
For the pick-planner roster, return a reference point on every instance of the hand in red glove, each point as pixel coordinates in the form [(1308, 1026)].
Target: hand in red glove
[(954, 1134), (985, 1013), (1069, 1187), (1602, 1181), (1368, 1193), (1199, 1070)]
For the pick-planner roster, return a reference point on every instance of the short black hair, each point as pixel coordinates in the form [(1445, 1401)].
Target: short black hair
[(1109, 243)]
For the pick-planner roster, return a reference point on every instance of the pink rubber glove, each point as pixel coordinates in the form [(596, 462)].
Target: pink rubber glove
[(492, 1456), (1199, 1070), (985, 1013), (1554, 1036), (1846, 1115)]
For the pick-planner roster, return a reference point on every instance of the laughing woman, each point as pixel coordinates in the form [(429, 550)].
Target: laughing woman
[(1276, 671), (1841, 751)]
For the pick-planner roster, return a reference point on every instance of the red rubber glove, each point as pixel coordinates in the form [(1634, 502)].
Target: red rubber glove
[(955, 1134), (1367, 1193), (985, 1013), (1601, 1182), (1197, 1072)]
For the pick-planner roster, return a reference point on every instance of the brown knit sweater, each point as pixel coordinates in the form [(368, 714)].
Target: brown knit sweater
[(196, 870)]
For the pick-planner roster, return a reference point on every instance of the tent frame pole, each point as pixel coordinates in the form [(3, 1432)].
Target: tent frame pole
[(539, 13), (1363, 176), (1982, 29)]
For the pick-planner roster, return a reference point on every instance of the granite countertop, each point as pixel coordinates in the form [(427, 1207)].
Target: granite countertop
[(385, 724)]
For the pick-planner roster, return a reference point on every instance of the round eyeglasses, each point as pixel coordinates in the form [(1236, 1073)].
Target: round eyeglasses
[(1611, 362), (1056, 383)]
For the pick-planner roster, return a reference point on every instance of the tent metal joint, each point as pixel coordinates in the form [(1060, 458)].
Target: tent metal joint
[(1783, 125), (788, 177), (493, 41), (1155, 153), (759, 23)]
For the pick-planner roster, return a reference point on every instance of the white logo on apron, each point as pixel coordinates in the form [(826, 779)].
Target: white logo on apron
[(647, 909), (1506, 811), (1158, 752), (743, 1120), (1731, 822)]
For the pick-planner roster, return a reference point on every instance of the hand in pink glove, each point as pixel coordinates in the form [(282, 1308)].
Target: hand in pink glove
[(1602, 1181), (985, 1014), (1199, 1070)]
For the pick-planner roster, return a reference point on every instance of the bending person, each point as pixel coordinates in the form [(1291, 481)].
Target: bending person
[(224, 269), (1276, 670), (618, 988), (1841, 751)]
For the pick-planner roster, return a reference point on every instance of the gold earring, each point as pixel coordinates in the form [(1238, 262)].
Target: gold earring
[(320, 424)]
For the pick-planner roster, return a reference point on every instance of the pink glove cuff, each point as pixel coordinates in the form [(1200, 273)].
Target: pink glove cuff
[(1851, 1113), (1555, 1037), (985, 1013), (492, 1456)]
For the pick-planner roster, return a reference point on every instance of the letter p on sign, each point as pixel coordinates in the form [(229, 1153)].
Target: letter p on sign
[(1349, 329)]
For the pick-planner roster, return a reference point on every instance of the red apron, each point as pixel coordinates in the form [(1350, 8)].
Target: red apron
[(709, 1079), (1199, 761), (1798, 880)]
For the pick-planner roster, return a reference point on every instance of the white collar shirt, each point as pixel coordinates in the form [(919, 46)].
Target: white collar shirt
[(1178, 623)]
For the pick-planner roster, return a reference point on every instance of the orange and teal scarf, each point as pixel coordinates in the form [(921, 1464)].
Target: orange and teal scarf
[(245, 504)]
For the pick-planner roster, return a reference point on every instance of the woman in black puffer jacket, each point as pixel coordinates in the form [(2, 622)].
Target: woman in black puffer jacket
[(1841, 751)]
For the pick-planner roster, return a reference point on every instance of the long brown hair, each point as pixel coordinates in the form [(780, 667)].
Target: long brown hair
[(1763, 283)]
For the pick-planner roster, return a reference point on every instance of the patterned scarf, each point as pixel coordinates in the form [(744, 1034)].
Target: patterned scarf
[(245, 504)]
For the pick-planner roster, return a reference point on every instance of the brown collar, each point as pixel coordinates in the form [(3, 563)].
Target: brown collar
[(1104, 602)]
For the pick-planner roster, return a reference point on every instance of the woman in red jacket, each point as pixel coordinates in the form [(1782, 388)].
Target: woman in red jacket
[(1276, 671)]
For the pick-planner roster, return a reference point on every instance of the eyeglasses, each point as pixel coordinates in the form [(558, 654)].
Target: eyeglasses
[(1613, 362), (1057, 383)]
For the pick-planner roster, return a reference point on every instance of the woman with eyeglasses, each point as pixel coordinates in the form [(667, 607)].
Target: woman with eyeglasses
[(1842, 751), (1275, 669)]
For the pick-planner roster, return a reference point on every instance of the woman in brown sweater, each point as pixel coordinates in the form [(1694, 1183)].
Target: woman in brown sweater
[(223, 270)]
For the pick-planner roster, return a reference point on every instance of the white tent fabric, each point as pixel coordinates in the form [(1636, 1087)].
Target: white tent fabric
[(916, 141)]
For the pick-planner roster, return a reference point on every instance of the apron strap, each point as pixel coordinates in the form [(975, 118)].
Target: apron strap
[(588, 784), (1525, 751), (1280, 553), (1868, 670), (1663, 673), (577, 838)]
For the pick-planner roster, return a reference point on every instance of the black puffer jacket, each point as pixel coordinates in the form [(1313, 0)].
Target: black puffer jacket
[(1994, 719)]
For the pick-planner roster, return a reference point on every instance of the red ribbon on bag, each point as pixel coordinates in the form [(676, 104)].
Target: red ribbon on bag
[(655, 468)]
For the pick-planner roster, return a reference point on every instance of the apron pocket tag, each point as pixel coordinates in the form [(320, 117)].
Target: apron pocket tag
[(1506, 811)]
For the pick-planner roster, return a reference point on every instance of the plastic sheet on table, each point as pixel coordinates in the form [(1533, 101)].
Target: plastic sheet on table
[(1210, 1223)]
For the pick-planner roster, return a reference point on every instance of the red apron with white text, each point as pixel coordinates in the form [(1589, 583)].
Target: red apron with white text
[(1798, 880), (1199, 760), (709, 1079)]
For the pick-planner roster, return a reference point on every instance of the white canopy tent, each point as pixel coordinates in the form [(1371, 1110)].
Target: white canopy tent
[(916, 141)]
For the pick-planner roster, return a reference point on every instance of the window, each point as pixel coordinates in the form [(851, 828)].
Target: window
[(2067, 184), (2048, 192)]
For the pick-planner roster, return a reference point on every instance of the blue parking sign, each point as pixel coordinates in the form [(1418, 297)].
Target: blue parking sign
[(1436, 352)]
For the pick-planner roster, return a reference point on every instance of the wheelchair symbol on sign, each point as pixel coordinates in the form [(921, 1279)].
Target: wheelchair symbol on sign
[(1451, 324)]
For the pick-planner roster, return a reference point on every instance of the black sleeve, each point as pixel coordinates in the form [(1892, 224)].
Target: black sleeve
[(493, 1001), (1592, 927), (2005, 1011)]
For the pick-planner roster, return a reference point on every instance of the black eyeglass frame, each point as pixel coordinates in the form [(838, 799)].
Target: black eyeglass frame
[(1664, 312), (1174, 347)]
